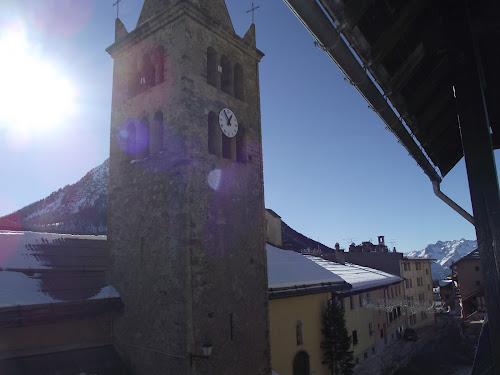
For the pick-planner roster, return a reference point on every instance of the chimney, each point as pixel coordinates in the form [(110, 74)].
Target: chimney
[(381, 240)]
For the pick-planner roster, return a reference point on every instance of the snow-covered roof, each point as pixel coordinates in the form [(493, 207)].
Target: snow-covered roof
[(18, 289), (286, 268), (40, 268), (21, 250), (359, 277)]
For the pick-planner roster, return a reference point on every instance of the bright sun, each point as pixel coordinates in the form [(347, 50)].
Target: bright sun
[(35, 96)]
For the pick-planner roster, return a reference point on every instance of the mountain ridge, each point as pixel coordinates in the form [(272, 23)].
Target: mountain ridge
[(80, 208)]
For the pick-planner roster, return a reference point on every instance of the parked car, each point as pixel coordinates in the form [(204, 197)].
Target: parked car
[(440, 307), (410, 334)]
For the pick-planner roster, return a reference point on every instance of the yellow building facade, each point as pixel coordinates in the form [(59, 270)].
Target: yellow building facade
[(297, 302)]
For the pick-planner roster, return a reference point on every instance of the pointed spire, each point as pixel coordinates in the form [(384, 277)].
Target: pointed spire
[(249, 37), (215, 9), (120, 30)]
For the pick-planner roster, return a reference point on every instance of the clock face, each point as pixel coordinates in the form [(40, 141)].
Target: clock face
[(228, 123)]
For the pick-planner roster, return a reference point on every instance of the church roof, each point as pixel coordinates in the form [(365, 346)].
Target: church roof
[(46, 268), (215, 9)]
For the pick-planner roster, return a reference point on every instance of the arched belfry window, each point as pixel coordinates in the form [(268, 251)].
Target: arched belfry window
[(228, 147), (131, 141), (133, 80), (212, 66), (158, 60), (214, 135), (156, 134), (226, 83), (239, 89), (147, 76), (241, 146), (142, 139), (301, 364)]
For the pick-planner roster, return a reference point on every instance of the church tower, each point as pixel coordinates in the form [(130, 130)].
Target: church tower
[(186, 200)]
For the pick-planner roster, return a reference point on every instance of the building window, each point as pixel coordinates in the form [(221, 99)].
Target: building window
[(226, 83), (370, 329), (354, 337), (143, 138), (214, 135), (399, 311), (411, 283), (390, 316), (351, 302), (228, 147), (241, 144), (148, 74), (426, 271), (131, 141), (428, 286), (418, 266), (360, 299), (405, 267), (478, 282), (477, 268), (407, 283), (212, 66), (300, 341), (156, 135), (239, 89)]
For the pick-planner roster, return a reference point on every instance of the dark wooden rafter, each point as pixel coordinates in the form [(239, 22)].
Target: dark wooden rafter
[(438, 103), (355, 10), (429, 86), (407, 69), (392, 35)]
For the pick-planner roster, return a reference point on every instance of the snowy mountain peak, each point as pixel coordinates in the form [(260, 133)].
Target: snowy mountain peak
[(445, 253), (76, 208)]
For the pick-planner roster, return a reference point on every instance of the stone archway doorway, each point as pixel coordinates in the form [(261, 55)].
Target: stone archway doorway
[(301, 364)]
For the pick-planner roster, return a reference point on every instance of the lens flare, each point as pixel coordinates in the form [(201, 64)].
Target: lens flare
[(132, 136), (214, 178)]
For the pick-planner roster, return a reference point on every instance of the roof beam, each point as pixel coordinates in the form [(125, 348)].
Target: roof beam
[(407, 69), (392, 35), (428, 86), (315, 20)]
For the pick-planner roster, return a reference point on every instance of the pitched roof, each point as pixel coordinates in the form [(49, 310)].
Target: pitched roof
[(44, 268), (473, 255), (286, 268), (215, 9), (359, 277)]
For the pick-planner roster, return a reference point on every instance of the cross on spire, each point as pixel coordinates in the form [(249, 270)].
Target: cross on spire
[(254, 8), (117, 7)]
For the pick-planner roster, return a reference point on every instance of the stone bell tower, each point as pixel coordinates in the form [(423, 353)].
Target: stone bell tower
[(186, 200)]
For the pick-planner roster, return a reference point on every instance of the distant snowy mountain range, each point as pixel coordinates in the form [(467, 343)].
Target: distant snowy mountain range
[(445, 253), (80, 208)]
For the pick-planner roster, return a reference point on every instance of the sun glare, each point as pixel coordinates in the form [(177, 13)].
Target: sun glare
[(34, 94)]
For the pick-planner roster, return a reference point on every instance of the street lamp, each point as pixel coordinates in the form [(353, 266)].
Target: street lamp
[(207, 351)]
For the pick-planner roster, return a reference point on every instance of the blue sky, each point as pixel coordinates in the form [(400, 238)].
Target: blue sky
[(331, 169)]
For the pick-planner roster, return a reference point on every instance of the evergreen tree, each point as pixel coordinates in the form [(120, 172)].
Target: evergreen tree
[(336, 341)]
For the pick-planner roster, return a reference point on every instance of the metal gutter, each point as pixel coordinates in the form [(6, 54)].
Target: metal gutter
[(310, 13), (451, 203)]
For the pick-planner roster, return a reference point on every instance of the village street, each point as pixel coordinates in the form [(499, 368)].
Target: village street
[(440, 349)]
